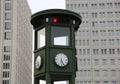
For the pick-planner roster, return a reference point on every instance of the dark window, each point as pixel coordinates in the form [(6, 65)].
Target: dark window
[(60, 36)]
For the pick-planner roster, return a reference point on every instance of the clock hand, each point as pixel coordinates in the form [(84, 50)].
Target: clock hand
[(37, 63), (62, 63)]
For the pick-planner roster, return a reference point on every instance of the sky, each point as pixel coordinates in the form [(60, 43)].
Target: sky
[(39, 5)]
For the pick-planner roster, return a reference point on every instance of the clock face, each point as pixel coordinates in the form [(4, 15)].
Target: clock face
[(61, 60), (38, 62)]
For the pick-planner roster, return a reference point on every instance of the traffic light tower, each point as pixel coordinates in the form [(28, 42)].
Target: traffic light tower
[(54, 48)]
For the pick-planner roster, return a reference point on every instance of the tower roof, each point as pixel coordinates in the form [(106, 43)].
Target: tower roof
[(37, 17)]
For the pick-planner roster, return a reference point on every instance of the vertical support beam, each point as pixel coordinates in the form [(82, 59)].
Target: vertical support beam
[(48, 78), (36, 80), (72, 79)]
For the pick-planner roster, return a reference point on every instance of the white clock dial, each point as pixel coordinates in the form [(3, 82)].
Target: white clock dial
[(38, 62), (61, 59)]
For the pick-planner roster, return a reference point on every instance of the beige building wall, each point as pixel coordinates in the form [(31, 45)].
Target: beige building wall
[(15, 42), (97, 41)]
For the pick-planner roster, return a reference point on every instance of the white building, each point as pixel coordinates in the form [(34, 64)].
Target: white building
[(15, 42), (97, 41)]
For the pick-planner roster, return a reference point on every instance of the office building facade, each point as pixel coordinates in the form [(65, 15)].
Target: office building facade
[(97, 41), (15, 42)]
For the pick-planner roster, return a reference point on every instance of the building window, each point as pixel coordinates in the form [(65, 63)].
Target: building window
[(119, 61), (7, 35), (67, 6), (88, 51), (95, 32), (94, 24), (88, 61), (118, 51), (112, 61), (83, 42), (84, 61), (84, 6), (117, 4), (96, 61), (117, 41), (103, 41), (6, 65), (102, 24), (110, 14), (84, 51), (113, 82), (75, 6), (8, 16), (117, 14), (89, 82), (7, 6), (110, 23), (95, 51), (71, 5), (105, 82), (94, 6), (97, 82), (109, 5), (111, 51), (5, 74), (79, 42), (7, 25), (77, 82), (104, 62), (80, 62), (80, 51), (84, 15), (81, 82), (110, 32), (89, 73), (113, 72), (81, 72), (97, 73), (7, 48), (6, 57), (101, 14), (85, 72), (117, 32), (101, 5), (94, 15), (117, 23), (5, 82)]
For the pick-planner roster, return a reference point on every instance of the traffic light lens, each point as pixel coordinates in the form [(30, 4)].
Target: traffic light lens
[(55, 20)]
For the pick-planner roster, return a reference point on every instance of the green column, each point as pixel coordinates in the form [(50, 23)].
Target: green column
[(36, 80), (48, 78), (72, 79)]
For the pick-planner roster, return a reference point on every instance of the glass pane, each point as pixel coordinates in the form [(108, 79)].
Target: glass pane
[(61, 82), (41, 38), (7, 25), (8, 16), (7, 6), (7, 35), (60, 36)]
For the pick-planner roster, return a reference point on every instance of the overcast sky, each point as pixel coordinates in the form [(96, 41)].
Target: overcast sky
[(38, 5)]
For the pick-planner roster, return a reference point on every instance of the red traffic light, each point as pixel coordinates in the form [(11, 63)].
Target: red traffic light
[(55, 19)]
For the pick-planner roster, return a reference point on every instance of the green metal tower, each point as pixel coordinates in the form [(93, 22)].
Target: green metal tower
[(54, 54)]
